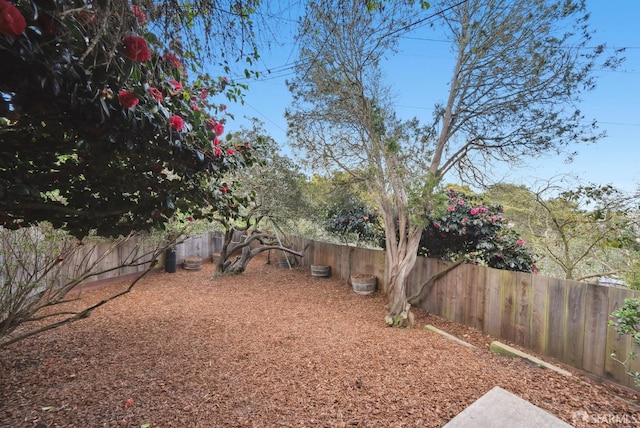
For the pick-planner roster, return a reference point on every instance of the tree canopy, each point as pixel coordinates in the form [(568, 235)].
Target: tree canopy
[(101, 126)]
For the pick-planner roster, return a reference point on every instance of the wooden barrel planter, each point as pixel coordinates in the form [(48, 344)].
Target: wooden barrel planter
[(320, 271), (282, 262), (192, 263), (364, 284)]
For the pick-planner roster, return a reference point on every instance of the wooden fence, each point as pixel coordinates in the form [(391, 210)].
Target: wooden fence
[(564, 320), (561, 319)]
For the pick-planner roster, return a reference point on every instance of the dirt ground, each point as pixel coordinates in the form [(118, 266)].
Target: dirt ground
[(271, 348)]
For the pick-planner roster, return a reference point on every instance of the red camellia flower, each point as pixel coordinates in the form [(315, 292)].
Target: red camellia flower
[(176, 85), (230, 151), (139, 14), (12, 22), (224, 189), (155, 93), (128, 99), (218, 129), (136, 49), (173, 60), (217, 152), (176, 122), (216, 142)]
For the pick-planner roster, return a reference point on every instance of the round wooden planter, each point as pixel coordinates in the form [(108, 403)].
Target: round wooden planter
[(282, 262), (364, 284), (320, 271), (192, 263)]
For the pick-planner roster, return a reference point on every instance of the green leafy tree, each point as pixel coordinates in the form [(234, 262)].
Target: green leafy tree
[(100, 125), (585, 230), (519, 64)]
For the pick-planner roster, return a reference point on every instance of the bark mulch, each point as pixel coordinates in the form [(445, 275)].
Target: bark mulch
[(270, 348)]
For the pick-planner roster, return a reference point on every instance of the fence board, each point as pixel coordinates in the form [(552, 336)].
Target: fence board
[(620, 345), (493, 312), (595, 331), (481, 282), (470, 299), (557, 318), (524, 297), (540, 315), (508, 305), (575, 316)]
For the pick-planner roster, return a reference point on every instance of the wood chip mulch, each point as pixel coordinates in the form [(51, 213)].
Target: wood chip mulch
[(270, 348)]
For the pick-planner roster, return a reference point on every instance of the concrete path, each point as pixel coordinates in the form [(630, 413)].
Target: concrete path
[(499, 409)]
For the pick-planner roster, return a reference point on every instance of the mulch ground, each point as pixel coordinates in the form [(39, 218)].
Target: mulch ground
[(271, 348)]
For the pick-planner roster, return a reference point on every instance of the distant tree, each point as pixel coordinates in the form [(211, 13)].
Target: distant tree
[(586, 230), (519, 64)]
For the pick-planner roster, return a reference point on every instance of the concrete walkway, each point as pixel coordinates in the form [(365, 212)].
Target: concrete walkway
[(499, 409)]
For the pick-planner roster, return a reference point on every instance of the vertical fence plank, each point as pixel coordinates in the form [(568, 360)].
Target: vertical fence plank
[(470, 300), (595, 329), (481, 283), (575, 316), (508, 305), (493, 311), (524, 298), (620, 345), (557, 318), (540, 314)]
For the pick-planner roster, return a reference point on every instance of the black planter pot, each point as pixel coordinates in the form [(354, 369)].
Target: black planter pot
[(170, 260)]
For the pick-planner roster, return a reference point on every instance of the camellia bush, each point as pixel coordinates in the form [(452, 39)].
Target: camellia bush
[(101, 127), (476, 232), (355, 221), (626, 321)]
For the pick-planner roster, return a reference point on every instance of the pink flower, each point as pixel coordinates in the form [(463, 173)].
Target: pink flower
[(139, 14), (520, 242), (436, 225), (204, 93), (12, 23), (173, 60), (451, 208), (460, 202), (230, 151), (209, 124), (176, 122), (218, 128), (175, 84), (224, 189), (216, 142), (128, 99), (155, 93), (473, 211), (195, 107), (217, 152), (136, 49)]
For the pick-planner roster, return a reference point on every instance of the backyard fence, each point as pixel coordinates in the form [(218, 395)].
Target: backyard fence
[(564, 320)]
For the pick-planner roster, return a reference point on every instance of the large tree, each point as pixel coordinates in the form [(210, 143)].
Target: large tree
[(103, 132), (520, 69), (101, 127)]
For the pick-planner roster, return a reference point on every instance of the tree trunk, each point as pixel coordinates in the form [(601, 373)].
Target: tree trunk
[(401, 258)]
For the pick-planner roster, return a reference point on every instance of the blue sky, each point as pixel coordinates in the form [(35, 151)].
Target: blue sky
[(420, 75)]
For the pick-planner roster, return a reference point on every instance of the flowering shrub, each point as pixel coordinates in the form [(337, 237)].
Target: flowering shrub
[(75, 154), (355, 221), (479, 233)]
